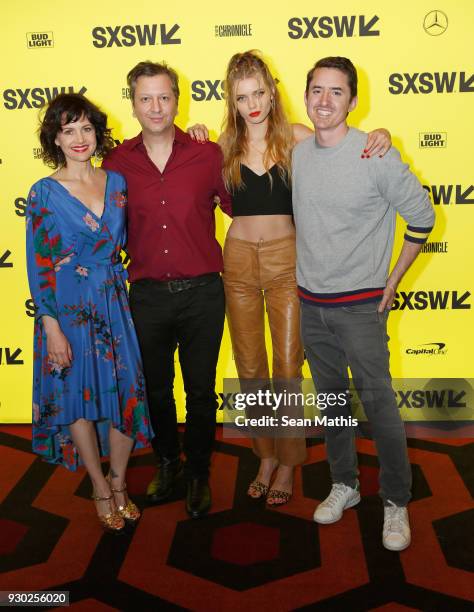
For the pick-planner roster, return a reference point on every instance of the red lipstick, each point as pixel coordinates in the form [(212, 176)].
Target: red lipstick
[(255, 114)]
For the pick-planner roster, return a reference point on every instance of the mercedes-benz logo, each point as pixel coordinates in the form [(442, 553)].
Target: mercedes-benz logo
[(435, 23)]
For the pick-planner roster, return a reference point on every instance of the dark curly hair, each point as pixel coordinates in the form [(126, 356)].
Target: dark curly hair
[(67, 108)]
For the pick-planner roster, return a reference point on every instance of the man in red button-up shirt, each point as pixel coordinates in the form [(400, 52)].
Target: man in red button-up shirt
[(176, 293)]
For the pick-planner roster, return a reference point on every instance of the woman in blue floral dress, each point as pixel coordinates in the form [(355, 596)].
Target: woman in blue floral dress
[(88, 386)]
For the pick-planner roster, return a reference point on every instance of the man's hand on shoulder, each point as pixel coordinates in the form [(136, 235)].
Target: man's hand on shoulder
[(199, 133), (378, 143)]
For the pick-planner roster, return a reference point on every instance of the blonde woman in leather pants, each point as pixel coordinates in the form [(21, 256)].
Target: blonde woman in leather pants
[(259, 252)]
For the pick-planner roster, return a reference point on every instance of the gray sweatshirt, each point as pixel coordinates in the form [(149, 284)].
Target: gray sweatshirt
[(345, 209)]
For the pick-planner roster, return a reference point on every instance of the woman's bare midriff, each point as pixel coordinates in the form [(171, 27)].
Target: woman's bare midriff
[(261, 227)]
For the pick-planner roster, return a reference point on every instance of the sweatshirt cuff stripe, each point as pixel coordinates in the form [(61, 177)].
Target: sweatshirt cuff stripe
[(416, 236), (422, 230), (413, 239)]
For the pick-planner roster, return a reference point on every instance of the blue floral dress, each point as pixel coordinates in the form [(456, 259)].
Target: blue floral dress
[(76, 276)]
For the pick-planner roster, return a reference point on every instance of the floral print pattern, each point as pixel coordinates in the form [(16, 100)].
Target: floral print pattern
[(90, 222), (76, 277)]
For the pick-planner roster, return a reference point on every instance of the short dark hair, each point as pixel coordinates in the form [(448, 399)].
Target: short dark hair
[(150, 69), (67, 108), (341, 63)]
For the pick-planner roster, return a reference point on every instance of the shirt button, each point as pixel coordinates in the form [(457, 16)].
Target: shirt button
[(162, 201), (162, 180), (167, 274), (166, 250), (164, 226)]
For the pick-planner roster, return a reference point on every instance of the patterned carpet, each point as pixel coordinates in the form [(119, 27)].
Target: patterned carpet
[(242, 556)]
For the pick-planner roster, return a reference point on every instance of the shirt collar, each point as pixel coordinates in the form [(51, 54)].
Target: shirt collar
[(180, 136), (132, 143)]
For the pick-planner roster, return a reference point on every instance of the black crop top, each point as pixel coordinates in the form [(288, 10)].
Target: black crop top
[(258, 197)]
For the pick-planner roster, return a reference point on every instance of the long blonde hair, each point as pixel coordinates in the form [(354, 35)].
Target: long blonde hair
[(279, 136)]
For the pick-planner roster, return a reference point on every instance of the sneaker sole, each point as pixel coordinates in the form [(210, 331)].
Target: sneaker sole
[(396, 548), (350, 504)]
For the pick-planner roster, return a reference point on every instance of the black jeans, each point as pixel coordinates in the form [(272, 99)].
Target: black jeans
[(356, 336), (192, 321)]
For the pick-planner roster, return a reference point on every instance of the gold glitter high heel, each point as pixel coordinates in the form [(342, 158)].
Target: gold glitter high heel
[(128, 511), (113, 521)]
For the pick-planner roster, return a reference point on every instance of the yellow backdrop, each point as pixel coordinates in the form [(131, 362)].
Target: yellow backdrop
[(416, 78)]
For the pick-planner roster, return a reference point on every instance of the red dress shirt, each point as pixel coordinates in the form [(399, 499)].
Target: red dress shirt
[(171, 224)]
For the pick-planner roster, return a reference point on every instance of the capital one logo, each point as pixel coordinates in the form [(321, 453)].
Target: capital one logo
[(346, 26), (433, 300), (430, 82), (428, 348), (207, 90), (36, 97), (131, 35)]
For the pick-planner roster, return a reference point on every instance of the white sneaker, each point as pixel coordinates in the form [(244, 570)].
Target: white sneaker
[(396, 527), (340, 498)]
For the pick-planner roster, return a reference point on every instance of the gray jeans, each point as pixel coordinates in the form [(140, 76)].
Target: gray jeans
[(356, 336)]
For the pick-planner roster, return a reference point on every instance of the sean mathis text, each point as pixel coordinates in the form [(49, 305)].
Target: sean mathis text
[(286, 421)]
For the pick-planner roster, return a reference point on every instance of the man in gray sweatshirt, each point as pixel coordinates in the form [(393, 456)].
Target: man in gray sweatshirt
[(345, 210)]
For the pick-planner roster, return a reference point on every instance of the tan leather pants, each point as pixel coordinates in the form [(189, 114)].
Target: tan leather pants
[(258, 276)]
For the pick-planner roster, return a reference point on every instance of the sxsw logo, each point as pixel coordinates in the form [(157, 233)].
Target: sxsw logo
[(450, 194), (35, 97), (39, 40), (30, 308), (4, 259), (325, 27), (429, 82), (20, 206), (431, 398), (227, 401), (131, 35), (433, 300), (10, 356), (433, 140), (207, 90)]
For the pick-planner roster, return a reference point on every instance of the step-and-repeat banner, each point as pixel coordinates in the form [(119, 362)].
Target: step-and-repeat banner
[(416, 70)]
